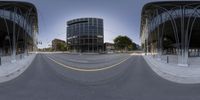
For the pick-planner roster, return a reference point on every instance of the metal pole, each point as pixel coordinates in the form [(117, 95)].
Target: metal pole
[(0, 61), (167, 59), (20, 56), (13, 42)]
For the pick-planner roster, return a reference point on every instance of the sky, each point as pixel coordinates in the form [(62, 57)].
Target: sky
[(121, 17)]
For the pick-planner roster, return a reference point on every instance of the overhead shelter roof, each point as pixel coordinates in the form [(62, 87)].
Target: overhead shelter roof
[(149, 8), (23, 9)]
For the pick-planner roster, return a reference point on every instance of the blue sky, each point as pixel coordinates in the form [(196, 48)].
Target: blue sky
[(121, 17)]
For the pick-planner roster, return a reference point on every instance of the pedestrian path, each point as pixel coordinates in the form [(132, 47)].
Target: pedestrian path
[(9, 71), (173, 72)]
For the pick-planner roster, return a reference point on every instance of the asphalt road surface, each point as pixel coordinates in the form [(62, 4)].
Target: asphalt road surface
[(89, 61), (47, 80)]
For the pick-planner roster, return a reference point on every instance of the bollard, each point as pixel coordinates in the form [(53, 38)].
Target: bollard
[(20, 56), (167, 59)]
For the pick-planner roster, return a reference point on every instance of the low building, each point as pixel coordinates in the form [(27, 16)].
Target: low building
[(58, 45), (109, 47)]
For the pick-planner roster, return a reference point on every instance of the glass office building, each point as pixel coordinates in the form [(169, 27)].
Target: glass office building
[(171, 28), (85, 35)]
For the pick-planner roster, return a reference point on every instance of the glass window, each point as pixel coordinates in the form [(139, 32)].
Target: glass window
[(90, 20), (90, 41), (95, 41), (86, 40)]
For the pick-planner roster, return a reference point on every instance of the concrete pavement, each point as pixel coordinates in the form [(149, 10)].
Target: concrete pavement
[(9, 71), (46, 80), (173, 72)]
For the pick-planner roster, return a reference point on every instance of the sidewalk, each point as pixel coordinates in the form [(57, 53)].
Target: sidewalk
[(9, 71), (173, 72)]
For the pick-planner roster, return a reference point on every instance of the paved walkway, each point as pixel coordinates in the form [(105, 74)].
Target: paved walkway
[(173, 72), (9, 71)]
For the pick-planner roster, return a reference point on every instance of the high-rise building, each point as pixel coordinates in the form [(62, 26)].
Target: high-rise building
[(85, 35)]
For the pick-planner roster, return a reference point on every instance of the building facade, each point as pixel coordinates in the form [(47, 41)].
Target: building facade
[(109, 47), (85, 35), (18, 28), (58, 45), (171, 28)]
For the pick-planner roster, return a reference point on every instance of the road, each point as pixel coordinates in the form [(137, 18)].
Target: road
[(47, 80), (89, 61)]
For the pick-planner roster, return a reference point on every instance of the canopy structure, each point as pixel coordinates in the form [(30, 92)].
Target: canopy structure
[(171, 27), (18, 28)]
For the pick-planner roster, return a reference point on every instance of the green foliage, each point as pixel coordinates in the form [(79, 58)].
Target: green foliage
[(134, 46), (123, 43), (61, 47)]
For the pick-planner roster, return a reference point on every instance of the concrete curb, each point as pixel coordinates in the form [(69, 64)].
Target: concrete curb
[(174, 73), (10, 74)]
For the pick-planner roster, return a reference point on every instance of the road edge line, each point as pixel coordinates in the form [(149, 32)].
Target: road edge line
[(88, 70)]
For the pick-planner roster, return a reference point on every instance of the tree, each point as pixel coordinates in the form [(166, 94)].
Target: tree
[(61, 47), (123, 43), (134, 46)]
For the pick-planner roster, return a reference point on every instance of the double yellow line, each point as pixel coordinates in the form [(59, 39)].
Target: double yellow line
[(88, 70)]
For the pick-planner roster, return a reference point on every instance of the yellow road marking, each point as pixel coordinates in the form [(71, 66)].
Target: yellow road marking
[(88, 70)]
